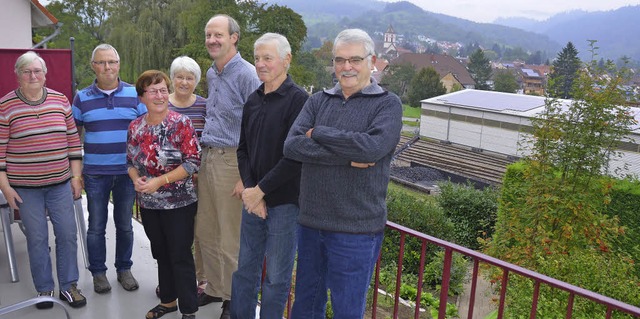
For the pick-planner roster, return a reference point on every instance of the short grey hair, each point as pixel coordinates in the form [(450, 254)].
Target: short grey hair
[(104, 47), (28, 58), (234, 27), (185, 63), (355, 36), (282, 44)]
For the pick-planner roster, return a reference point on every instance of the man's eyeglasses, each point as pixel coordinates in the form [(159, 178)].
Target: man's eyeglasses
[(103, 63), (354, 60), (163, 91), (36, 72)]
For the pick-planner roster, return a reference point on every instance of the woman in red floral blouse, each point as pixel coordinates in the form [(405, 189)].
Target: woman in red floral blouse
[(162, 155)]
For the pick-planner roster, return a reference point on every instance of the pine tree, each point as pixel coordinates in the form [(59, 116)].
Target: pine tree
[(425, 84), (480, 70), (563, 72)]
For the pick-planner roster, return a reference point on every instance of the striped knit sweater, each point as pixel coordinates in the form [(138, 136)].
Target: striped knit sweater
[(37, 141)]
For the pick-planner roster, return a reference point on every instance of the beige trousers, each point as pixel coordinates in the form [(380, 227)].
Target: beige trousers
[(218, 219)]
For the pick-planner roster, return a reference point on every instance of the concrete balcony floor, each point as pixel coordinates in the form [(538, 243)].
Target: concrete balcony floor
[(117, 304)]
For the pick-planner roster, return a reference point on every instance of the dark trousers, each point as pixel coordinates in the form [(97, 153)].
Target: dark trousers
[(170, 232)]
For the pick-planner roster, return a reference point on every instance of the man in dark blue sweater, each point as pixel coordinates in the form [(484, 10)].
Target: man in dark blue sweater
[(272, 184), (344, 137)]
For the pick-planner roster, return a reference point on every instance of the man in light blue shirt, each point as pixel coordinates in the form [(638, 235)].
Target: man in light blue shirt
[(231, 80)]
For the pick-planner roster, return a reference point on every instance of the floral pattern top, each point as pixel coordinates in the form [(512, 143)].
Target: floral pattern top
[(155, 150)]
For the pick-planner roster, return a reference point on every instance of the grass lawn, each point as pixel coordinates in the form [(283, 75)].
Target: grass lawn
[(417, 194), (413, 112)]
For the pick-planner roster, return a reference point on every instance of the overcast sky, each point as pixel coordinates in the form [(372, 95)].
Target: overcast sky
[(489, 10)]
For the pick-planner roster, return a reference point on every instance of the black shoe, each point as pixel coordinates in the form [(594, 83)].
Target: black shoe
[(204, 299), (45, 304), (226, 313)]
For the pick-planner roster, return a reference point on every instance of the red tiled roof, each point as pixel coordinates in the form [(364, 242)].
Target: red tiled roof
[(44, 11), (443, 64)]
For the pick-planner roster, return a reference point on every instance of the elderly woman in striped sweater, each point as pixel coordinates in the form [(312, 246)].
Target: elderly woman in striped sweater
[(40, 174)]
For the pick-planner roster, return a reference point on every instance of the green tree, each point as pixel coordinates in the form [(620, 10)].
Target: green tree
[(552, 213), (563, 72), (480, 70), (398, 78), (425, 84), (309, 72), (535, 58), (505, 81), (325, 52), (283, 20), (84, 21)]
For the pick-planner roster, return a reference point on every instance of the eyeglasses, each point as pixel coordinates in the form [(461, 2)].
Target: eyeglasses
[(354, 60), (162, 91), (103, 63), (185, 78), (36, 72)]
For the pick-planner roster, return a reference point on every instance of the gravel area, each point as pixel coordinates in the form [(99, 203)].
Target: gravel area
[(417, 174)]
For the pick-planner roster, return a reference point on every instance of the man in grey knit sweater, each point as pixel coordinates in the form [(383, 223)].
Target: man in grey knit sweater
[(344, 137)]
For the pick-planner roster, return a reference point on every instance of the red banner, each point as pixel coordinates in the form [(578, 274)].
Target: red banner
[(59, 70)]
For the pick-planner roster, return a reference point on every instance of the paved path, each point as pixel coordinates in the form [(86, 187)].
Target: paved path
[(483, 304)]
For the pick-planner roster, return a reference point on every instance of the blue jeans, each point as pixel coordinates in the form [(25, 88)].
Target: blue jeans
[(273, 238), (57, 202), (99, 189), (340, 262)]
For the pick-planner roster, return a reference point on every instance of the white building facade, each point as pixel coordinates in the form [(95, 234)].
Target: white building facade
[(500, 122)]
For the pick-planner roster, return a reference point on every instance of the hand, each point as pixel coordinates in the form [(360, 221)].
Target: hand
[(148, 186), (260, 210), (309, 132), (362, 165), (237, 190), (76, 187), (251, 197), (12, 197), (194, 177)]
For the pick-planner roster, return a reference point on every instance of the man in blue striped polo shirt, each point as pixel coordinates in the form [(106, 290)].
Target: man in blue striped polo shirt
[(104, 109)]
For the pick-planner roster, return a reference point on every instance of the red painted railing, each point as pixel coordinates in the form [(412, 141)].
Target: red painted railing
[(507, 268)]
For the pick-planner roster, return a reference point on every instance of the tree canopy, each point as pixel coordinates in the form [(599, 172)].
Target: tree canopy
[(564, 71), (398, 78), (425, 84), (505, 81), (149, 34), (480, 69)]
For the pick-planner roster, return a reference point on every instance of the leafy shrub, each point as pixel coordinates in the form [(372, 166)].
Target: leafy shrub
[(548, 227), (625, 200), (472, 211), (417, 214), (433, 273)]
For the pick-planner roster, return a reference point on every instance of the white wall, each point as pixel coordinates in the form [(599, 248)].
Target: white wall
[(15, 23)]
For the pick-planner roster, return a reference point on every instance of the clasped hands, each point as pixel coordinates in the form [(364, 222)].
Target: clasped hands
[(147, 185), (253, 201)]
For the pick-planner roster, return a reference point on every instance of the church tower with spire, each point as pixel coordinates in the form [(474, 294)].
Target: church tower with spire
[(389, 38)]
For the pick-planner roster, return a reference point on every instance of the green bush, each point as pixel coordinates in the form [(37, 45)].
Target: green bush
[(564, 234), (585, 269), (420, 215), (472, 211), (625, 200), (433, 273)]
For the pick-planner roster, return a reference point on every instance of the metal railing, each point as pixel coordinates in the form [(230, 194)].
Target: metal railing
[(610, 304)]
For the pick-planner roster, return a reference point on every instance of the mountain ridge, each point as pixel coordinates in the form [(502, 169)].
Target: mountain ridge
[(325, 19)]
